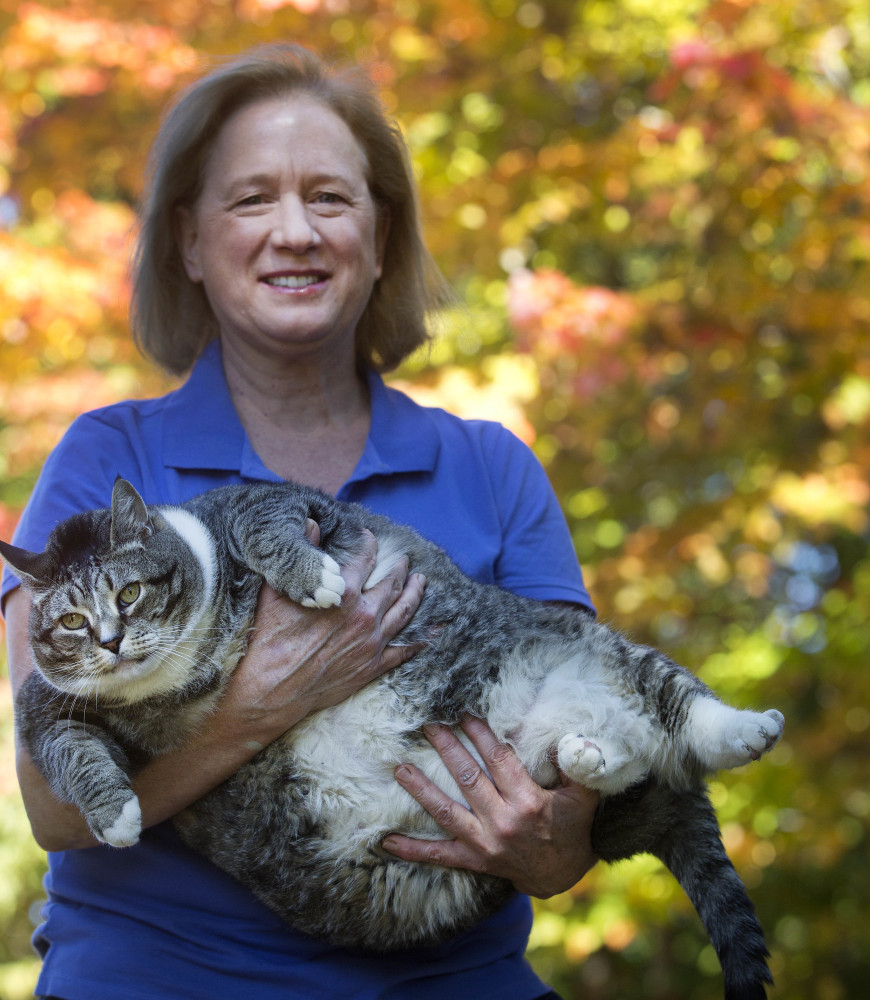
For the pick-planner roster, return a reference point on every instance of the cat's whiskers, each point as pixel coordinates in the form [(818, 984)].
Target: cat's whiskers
[(71, 699), (188, 658)]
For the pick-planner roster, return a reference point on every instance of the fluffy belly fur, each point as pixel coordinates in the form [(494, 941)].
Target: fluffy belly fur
[(314, 854)]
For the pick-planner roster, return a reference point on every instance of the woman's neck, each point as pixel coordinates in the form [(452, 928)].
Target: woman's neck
[(307, 420)]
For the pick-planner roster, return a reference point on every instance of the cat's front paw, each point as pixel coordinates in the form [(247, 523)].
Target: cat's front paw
[(125, 830), (331, 589), (581, 759)]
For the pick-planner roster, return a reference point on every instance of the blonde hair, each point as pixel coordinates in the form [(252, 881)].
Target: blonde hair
[(170, 315)]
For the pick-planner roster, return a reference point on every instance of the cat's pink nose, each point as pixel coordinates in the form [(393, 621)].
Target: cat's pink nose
[(113, 645)]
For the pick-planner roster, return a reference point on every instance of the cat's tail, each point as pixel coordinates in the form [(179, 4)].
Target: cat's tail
[(681, 829)]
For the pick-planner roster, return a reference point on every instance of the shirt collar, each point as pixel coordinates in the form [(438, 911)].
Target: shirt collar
[(201, 429), (403, 436)]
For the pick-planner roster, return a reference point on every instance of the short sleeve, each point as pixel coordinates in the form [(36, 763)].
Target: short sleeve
[(537, 557)]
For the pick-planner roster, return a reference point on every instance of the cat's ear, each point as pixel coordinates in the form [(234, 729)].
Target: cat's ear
[(36, 569), (130, 520)]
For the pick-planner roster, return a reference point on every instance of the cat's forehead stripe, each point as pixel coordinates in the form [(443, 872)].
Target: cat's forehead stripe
[(126, 547)]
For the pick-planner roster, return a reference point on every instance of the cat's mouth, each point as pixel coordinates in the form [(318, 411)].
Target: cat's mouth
[(129, 679), (122, 668), (128, 665), (124, 663)]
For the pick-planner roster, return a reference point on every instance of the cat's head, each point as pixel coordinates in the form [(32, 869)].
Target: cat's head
[(113, 595)]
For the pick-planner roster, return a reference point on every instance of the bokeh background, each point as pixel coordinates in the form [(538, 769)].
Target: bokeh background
[(656, 216)]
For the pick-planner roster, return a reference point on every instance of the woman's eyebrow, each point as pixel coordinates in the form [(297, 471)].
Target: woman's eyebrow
[(234, 185), (231, 185)]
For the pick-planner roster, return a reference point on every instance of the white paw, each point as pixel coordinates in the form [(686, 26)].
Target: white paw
[(728, 737), (580, 758), (760, 731), (329, 593), (124, 832)]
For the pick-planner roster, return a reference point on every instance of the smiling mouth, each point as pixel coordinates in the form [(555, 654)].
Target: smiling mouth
[(294, 280)]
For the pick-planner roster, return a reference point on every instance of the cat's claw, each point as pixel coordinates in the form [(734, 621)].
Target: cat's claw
[(331, 589), (124, 832), (580, 758)]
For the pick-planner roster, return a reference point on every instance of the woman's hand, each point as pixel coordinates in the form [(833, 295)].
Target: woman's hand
[(301, 659), (538, 839)]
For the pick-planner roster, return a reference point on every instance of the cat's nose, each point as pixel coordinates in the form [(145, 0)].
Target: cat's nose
[(113, 645)]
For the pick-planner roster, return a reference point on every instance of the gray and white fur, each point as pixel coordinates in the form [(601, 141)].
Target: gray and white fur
[(140, 614)]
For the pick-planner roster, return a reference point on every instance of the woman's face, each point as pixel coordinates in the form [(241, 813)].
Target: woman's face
[(285, 236)]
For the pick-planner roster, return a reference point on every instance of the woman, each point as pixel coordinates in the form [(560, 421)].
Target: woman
[(280, 256)]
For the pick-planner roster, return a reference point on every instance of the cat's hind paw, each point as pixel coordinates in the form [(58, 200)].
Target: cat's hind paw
[(728, 737), (761, 731), (124, 832), (580, 758), (331, 589)]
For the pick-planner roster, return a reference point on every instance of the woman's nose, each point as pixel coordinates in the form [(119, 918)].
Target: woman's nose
[(295, 228)]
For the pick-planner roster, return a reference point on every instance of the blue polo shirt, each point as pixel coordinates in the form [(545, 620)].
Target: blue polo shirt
[(159, 921)]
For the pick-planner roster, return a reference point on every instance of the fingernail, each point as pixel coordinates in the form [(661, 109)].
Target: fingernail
[(389, 842), (402, 773), (431, 729)]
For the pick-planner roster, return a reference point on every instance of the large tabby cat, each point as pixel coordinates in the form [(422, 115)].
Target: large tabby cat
[(141, 613)]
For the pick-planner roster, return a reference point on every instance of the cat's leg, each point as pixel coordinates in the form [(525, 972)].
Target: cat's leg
[(82, 769), (296, 568), (717, 735), (722, 736)]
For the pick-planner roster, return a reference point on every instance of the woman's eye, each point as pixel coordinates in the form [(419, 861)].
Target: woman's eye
[(251, 201), (129, 594), (329, 198), (72, 620)]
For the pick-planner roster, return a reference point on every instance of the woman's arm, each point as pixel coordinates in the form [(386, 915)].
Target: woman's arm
[(298, 660), (537, 838)]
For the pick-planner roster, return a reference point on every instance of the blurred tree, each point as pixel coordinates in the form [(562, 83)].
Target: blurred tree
[(656, 214)]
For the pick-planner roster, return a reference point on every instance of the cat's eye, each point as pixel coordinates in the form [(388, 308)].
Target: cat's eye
[(129, 594), (72, 620)]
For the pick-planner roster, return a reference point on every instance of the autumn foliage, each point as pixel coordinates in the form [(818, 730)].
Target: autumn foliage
[(657, 220)]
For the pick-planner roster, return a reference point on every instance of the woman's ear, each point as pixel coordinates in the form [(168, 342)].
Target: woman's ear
[(186, 234)]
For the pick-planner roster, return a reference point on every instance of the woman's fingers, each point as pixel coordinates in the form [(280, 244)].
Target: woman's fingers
[(506, 770), (477, 789), (385, 608), (454, 818), (401, 611), (393, 600), (446, 853), (359, 568), (537, 838)]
